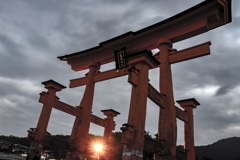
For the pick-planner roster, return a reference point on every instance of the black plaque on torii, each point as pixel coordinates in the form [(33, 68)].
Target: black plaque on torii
[(121, 58)]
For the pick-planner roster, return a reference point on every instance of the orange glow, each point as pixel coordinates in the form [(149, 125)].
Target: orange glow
[(98, 147)]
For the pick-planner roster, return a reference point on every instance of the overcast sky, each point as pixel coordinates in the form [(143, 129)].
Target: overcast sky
[(34, 33)]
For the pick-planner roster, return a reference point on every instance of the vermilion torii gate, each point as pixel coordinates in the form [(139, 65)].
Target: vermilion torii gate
[(40, 136), (199, 19)]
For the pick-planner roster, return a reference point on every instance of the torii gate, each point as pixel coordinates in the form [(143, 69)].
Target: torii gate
[(40, 136), (192, 22)]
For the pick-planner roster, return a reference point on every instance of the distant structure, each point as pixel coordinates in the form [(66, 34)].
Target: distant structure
[(132, 54)]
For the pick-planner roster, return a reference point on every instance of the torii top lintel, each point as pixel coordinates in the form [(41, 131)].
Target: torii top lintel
[(199, 19)]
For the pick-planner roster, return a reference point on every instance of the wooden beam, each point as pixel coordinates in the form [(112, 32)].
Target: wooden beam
[(99, 77), (181, 115), (190, 53), (61, 106), (160, 101), (133, 78), (192, 22), (78, 82), (153, 94), (158, 98), (98, 121), (66, 108), (186, 54), (43, 97)]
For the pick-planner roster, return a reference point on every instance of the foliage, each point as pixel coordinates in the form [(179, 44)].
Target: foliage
[(16, 140)]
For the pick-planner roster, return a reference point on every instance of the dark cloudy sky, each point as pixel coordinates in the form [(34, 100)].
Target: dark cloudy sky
[(33, 33)]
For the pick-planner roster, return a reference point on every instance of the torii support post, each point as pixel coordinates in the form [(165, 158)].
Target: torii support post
[(189, 105), (108, 128), (42, 125), (80, 130), (137, 113), (167, 128), (110, 124)]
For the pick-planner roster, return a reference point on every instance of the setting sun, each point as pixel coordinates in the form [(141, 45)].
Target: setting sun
[(98, 147)]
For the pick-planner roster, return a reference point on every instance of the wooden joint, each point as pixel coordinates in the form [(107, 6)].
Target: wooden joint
[(164, 41), (133, 78)]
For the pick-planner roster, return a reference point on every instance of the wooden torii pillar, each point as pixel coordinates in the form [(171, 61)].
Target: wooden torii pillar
[(188, 105), (80, 130), (43, 120), (109, 125), (167, 129), (138, 77), (108, 135)]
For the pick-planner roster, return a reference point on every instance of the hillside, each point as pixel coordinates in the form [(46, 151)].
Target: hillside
[(225, 149)]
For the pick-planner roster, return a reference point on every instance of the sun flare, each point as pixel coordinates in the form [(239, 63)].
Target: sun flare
[(98, 147)]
